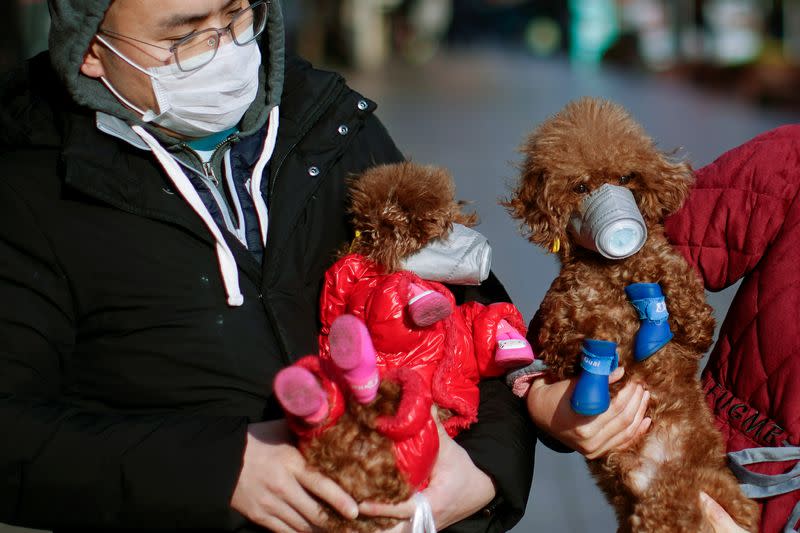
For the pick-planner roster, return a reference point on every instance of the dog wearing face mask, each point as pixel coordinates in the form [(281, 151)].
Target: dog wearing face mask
[(594, 190), (394, 343), (411, 238)]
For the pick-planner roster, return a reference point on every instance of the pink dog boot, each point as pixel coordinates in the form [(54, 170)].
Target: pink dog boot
[(512, 348), (301, 395), (352, 352), (427, 307)]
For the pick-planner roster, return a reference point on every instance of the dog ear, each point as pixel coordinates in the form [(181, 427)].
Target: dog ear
[(399, 208), (460, 216), (376, 216), (539, 218), (664, 188)]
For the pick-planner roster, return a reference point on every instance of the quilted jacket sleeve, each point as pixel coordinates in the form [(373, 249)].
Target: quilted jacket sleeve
[(484, 320), (411, 427), (738, 206)]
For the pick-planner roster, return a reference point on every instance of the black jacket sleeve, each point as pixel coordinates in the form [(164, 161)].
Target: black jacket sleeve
[(502, 442), (66, 466)]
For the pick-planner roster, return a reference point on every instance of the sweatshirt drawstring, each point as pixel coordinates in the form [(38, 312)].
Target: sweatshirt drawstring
[(227, 261), (258, 172)]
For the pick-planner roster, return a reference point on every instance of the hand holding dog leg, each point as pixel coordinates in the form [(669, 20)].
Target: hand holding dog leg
[(720, 521), (276, 488), (458, 489), (593, 436)]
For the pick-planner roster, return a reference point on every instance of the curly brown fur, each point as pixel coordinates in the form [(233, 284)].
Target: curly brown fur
[(591, 142), (653, 485), (361, 460), (398, 208)]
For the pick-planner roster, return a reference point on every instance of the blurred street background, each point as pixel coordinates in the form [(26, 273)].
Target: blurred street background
[(461, 82)]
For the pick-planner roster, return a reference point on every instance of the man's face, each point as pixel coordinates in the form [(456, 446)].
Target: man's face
[(159, 22)]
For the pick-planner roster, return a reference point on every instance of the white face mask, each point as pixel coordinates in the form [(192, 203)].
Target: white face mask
[(464, 257), (610, 223), (205, 101)]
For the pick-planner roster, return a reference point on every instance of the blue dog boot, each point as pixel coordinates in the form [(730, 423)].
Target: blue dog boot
[(600, 359), (654, 332)]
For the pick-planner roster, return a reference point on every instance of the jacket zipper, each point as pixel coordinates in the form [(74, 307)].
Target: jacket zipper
[(273, 320), (208, 169), (208, 166), (210, 178), (264, 299)]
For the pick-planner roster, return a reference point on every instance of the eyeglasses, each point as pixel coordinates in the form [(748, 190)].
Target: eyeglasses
[(199, 48)]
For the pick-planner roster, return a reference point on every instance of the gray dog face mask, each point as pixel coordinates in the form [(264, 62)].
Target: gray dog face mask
[(609, 222), (464, 257)]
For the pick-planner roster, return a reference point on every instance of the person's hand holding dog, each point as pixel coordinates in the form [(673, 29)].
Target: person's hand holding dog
[(457, 489), (720, 520), (276, 488), (593, 436)]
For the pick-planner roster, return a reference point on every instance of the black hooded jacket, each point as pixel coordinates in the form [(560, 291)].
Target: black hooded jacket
[(126, 381)]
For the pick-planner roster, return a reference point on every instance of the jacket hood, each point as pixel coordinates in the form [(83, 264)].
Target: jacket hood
[(75, 22), (28, 95)]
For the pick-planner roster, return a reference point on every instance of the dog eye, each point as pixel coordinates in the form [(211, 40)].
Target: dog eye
[(624, 180), (580, 188)]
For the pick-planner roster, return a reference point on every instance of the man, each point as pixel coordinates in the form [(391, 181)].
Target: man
[(171, 194)]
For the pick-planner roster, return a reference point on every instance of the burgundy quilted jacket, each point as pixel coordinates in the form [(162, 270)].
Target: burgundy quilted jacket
[(742, 221)]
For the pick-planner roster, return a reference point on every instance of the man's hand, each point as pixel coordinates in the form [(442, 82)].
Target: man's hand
[(720, 521), (458, 489), (275, 486), (593, 436)]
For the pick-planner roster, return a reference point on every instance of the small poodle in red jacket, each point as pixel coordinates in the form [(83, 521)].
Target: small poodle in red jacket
[(595, 191), (393, 342), (411, 232)]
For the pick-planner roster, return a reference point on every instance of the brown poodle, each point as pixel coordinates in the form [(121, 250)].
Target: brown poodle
[(384, 448), (653, 485)]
